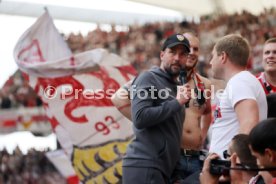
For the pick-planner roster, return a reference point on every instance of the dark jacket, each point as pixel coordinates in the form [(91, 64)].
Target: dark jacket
[(157, 122)]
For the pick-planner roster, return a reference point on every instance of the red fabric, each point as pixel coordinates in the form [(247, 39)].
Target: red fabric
[(262, 80), (73, 179), (53, 122), (9, 123)]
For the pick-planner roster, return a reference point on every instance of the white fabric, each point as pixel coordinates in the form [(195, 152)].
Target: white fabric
[(62, 162), (76, 92), (42, 52), (241, 86), (31, 119)]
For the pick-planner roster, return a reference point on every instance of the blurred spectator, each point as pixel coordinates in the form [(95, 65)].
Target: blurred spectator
[(240, 156), (32, 168), (140, 45), (268, 77), (16, 92)]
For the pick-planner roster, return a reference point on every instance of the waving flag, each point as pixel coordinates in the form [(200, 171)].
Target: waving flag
[(31, 119), (8, 121), (76, 91), (61, 161)]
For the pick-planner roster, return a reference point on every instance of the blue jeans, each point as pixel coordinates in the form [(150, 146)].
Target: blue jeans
[(186, 166)]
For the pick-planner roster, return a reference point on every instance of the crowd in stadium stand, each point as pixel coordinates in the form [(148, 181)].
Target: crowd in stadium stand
[(32, 168), (141, 45), (16, 92)]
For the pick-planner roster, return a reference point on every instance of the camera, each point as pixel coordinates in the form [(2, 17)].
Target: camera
[(220, 167)]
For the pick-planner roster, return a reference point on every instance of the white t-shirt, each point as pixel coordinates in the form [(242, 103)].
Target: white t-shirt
[(241, 86)]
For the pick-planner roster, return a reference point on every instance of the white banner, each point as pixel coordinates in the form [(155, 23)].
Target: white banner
[(76, 91), (31, 119)]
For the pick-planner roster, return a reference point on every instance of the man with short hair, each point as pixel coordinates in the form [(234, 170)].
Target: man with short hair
[(197, 115), (157, 121), (243, 103), (240, 156), (268, 77), (262, 141)]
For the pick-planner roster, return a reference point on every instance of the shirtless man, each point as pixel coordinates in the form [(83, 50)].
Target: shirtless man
[(198, 115)]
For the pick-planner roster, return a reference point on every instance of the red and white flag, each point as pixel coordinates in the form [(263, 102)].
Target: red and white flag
[(31, 119), (8, 121), (76, 91), (63, 164)]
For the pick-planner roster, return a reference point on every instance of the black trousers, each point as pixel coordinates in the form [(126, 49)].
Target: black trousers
[(143, 175)]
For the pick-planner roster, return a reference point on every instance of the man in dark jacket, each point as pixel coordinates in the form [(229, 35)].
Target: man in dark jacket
[(157, 115)]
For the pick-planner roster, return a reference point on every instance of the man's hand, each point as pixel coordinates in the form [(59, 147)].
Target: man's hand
[(205, 176), (183, 94)]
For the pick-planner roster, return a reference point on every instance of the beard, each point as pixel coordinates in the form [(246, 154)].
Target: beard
[(172, 72)]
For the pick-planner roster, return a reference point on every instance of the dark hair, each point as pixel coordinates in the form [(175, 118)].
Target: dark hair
[(263, 136), (271, 105), (240, 145)]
